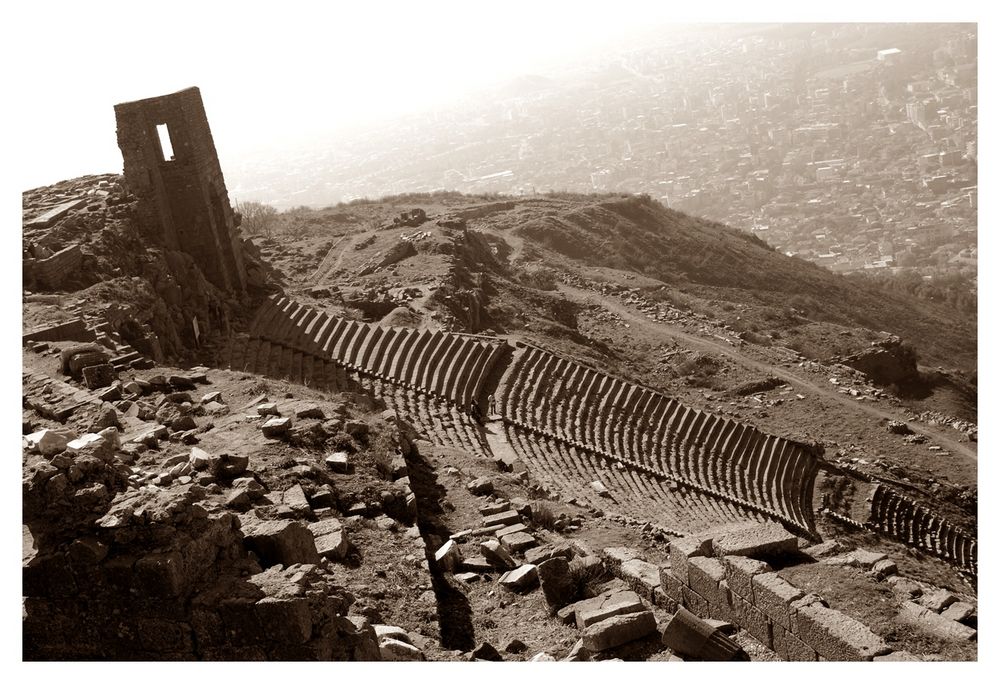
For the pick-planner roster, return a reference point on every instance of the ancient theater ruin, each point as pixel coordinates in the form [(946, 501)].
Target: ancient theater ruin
[(235, 452)]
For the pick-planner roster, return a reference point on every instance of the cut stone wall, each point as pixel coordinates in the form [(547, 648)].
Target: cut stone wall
[(185, 195)]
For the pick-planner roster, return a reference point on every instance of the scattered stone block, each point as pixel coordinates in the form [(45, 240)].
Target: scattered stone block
[(618, 630), (449, 556), (836, 636), (101, 375), (310, 411), (481, 486), (604, 606), (494, 508), (518, 541), (276, 427), (755, 540), (541, 554), (399, 651), (295, 498), (542, 657), (211, 396), (520, 579), (49, 442), (468, 577), (959, 611), (557, 584), (284, 542), (866, 559), (511, 529), (884, 568), (642, 577), (497, 555), (486, 651), (504, 518), (928, 621), (478, 564), (270, 409), (338, 463), (938, 600)]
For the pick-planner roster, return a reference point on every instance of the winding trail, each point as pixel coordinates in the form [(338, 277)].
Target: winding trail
[(698, 342)]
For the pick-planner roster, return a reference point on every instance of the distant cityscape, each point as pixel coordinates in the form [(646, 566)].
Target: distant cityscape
[(850, 145)]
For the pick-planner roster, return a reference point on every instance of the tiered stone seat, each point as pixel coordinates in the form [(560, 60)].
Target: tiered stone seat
[(902, 518), (610, 416)]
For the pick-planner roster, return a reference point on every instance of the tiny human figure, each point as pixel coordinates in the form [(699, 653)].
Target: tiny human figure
[(491, 407), (475, 411)]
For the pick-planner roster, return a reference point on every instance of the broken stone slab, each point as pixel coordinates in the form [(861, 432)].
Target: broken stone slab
[(494, 508), (523, 578), (542, 657), (834, 635), (557, 584), (504, 518), (938, 600), (541, 554), (518, 541), (600, 489), (928, 621), (481, 486), (468, 577), (578, 654), (392, 632), (866, 559), (511, 529), (276, 427), (49, 442), (959, 611), (215, 408), (486, 651), (605, 605), (614, 556), (477, 564), (212, 397), (295, 498), (393, 650), (618, 630), (98, 376), (330, 539), (884, 568), (496, 554), (684, 548), (449, 556)]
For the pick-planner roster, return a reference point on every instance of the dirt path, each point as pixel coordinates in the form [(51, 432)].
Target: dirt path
[(325, 269), (660, 328)]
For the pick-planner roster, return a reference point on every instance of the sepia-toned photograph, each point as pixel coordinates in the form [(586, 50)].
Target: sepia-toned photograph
[(441, 331)]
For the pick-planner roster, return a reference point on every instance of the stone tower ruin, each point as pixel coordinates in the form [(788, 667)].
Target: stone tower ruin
[(172, 167)]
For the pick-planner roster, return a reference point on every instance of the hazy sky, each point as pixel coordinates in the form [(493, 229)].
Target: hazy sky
[(276, 72)]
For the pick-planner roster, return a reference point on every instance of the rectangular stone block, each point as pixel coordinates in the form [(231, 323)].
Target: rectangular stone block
[(790, 647), (752, 620), (641, 577), (756, 540), (618, 630), (836, 636), (773, 595), (504, 518), (681, 550), (661, 600), (740, 571), (670, 584), (704, 575), (695, 602), (603, 607)]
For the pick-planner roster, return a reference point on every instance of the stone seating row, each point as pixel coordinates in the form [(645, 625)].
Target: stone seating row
[(604, 413), (904, 519), (449, 365)]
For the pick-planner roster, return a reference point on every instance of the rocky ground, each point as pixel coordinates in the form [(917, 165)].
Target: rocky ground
[(307, 493)]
